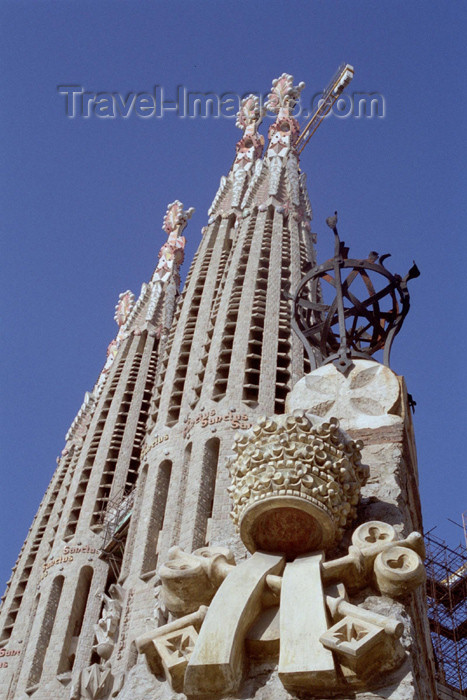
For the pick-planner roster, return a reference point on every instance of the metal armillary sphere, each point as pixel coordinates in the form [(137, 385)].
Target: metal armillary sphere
[(349, 326)]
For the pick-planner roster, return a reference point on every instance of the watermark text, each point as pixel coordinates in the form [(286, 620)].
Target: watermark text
[(187, 104)]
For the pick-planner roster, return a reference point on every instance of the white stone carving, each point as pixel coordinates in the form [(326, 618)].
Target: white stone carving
[(293, 180), (295, 489), (368, 397), (378, 558), (275, 172), (169, 648), (203, 652), (191, 580), (259, 172), (357, 643), (155, 296), (303, 660), (239, 180), (250, 114), (106, 629), (284, 95), (398, 570), (123, 307), (94, 683), (216, 664)]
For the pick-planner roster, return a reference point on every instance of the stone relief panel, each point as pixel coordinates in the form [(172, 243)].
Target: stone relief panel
[(295, 489), (368, 397)]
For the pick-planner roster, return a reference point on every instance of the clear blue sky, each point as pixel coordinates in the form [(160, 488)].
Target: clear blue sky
[(82, 200)]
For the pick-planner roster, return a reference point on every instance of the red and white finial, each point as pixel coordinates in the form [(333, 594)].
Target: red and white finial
[(250, 115), (171, 253), (176, 218), (284, 95)]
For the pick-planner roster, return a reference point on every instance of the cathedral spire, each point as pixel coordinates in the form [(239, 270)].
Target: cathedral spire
[(279, 182), (276, 179)]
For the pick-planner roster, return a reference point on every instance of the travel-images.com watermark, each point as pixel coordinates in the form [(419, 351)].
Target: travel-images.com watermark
[(193, 105)]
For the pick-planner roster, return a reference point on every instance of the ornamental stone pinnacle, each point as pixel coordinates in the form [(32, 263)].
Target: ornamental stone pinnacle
[(124, 306), (284, 95), (250, 146), (283, 135), (176, 218), (172, 252), (282, 99), (250, 115)]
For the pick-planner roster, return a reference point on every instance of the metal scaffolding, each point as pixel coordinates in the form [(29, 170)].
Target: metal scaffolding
[(447, 611)]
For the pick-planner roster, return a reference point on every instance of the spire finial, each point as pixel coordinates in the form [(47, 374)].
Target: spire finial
[(176, 218), (250, 115), (284, 95), (172, 251), (281, 100), (250, 146)]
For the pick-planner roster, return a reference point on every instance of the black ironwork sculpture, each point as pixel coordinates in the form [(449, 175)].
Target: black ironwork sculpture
[(349, 327)]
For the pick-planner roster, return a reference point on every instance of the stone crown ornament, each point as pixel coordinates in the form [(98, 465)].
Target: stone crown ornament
[(295, 485)]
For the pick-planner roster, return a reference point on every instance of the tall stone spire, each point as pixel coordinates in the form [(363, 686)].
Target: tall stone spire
[(59, 575), (183, 373), (278, 180)]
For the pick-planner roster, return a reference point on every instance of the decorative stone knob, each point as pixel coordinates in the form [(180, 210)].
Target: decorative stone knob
[(398, 571)]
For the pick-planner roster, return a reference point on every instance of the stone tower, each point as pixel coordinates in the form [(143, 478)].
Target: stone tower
[(133, 581)]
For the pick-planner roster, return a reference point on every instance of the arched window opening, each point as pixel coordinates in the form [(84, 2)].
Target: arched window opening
[(75, 622), (206, 492), (45, 632), (156, 518)]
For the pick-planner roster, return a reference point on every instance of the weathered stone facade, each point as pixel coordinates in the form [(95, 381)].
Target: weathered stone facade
[(144, 470)]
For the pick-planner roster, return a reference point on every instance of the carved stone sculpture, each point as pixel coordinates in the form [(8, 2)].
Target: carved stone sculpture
[(295, 485), (191, 580), (203, 652), (168, 649), (368, 396), (295, 488), (94, 682), (188, 582), (107, 628)]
